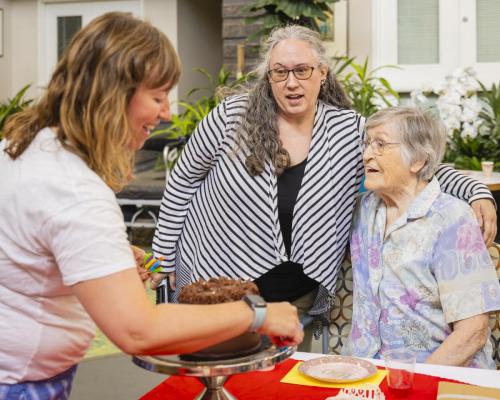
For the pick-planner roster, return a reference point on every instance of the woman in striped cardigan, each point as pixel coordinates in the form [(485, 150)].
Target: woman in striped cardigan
[(266, 186)]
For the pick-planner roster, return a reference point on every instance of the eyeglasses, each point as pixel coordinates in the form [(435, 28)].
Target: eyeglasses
[(377, 145), (281, 74)]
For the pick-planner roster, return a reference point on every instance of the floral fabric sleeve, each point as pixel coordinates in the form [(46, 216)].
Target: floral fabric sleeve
[(468, 284)]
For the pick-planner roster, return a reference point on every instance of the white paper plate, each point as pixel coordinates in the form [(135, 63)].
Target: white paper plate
[(338, 369)]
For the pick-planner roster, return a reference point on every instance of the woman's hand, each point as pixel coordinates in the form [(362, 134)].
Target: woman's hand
[(139, 262), (486, 215), (156, 279), (282, 324)]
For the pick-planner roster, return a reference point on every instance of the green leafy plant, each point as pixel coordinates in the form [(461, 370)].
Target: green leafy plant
[(12, 106), (273, 13), (367, 91), (490, 122), (183, 124)]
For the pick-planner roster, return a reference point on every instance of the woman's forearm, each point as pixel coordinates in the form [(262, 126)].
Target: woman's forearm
[(119, 306), (461, 186), (468, 337)]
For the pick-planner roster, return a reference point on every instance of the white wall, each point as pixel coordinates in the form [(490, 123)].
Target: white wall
[(5, 61), (360, 26), (193, 26), (163, 15), (24, 45)]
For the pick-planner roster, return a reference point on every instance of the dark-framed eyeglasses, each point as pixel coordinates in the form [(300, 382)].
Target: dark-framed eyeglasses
[(378, 146), (302, 73)]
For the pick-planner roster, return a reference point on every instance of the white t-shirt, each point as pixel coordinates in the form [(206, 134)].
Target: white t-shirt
[(59, 225)]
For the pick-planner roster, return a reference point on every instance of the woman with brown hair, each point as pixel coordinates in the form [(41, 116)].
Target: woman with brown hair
[(64, 254)]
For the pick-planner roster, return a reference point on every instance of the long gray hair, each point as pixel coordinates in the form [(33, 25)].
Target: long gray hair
[(259, 130)]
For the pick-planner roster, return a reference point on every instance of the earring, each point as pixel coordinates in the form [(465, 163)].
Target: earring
[(323, 81)]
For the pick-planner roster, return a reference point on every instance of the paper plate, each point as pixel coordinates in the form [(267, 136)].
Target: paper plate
[(338, 369)]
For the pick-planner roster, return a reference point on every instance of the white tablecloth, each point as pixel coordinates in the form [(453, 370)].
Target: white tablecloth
[(475, 376)]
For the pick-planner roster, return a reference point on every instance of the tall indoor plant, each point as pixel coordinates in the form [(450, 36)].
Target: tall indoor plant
[(273, 13), (195, 109), (367, 90)]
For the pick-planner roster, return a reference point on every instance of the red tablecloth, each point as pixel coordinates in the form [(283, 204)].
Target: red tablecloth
[(267, 386)]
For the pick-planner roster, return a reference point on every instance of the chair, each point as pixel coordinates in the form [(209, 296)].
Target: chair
[(341, 313), (495, 317), (308, 319)]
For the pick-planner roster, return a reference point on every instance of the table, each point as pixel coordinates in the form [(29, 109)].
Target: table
[(267, 385), (213, 374), (492, 182), (474, 376)]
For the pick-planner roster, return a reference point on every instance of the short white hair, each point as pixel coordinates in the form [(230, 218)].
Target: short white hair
[(422, 136)]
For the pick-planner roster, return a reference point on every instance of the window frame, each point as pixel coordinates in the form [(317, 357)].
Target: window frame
[(457, 46), (88, 10)]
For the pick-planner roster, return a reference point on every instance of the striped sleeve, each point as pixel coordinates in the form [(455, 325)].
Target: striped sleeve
[(362, 133), (193, 165), (463, 187)]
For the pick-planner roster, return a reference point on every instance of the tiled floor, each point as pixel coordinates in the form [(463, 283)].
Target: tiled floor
[(112, 377)]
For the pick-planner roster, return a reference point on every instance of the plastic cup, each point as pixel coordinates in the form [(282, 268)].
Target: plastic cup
[(400, 366), (487, 167)]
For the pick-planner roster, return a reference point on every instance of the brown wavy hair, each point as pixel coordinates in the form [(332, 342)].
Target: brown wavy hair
[(87, 97), (258, 132)]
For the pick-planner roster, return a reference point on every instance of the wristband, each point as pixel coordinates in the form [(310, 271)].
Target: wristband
[(259, 307)]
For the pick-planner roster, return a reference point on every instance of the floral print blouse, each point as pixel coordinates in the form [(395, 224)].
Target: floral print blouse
[(431, 269)]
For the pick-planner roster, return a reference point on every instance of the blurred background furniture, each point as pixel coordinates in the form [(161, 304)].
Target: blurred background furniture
[(140, 200)]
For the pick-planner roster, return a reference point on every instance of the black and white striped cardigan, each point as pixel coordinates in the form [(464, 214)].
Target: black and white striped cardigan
[(217, 220)]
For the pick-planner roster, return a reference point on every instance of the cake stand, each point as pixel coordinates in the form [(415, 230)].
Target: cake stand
[(213, 374)]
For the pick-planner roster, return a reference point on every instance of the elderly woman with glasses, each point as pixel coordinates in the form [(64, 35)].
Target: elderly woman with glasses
[(266, 185), (423, 279)]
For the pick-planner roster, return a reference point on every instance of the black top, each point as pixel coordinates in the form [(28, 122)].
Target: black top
[(287, 281)]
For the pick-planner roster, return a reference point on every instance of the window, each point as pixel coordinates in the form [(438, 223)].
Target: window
[(60, 21), (66, 28), (427, 39)]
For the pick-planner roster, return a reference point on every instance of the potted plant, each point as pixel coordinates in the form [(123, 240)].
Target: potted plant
[(367, 91), (471, 114), (12, 106), (183, 124), (273, 13)]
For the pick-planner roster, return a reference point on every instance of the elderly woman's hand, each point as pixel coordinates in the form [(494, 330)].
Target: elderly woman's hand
[(487, 217)]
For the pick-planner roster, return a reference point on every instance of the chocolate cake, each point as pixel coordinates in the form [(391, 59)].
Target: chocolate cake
[(222, 290)]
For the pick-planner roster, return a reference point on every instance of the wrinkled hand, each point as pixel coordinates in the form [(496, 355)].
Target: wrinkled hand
[(487, 217), (139, 262), (282, 324)]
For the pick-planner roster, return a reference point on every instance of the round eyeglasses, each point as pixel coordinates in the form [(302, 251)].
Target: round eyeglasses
[(378, 146), (302, 73)]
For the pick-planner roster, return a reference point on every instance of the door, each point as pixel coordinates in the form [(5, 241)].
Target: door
[(60, 21)]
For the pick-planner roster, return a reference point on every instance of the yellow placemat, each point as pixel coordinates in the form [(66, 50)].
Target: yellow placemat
[(295, 377)]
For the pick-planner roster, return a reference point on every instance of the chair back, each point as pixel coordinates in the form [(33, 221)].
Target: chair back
[(341, 313), (495, 317)]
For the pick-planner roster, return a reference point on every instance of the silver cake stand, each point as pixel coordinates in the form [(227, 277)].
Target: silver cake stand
[(213, 374)]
